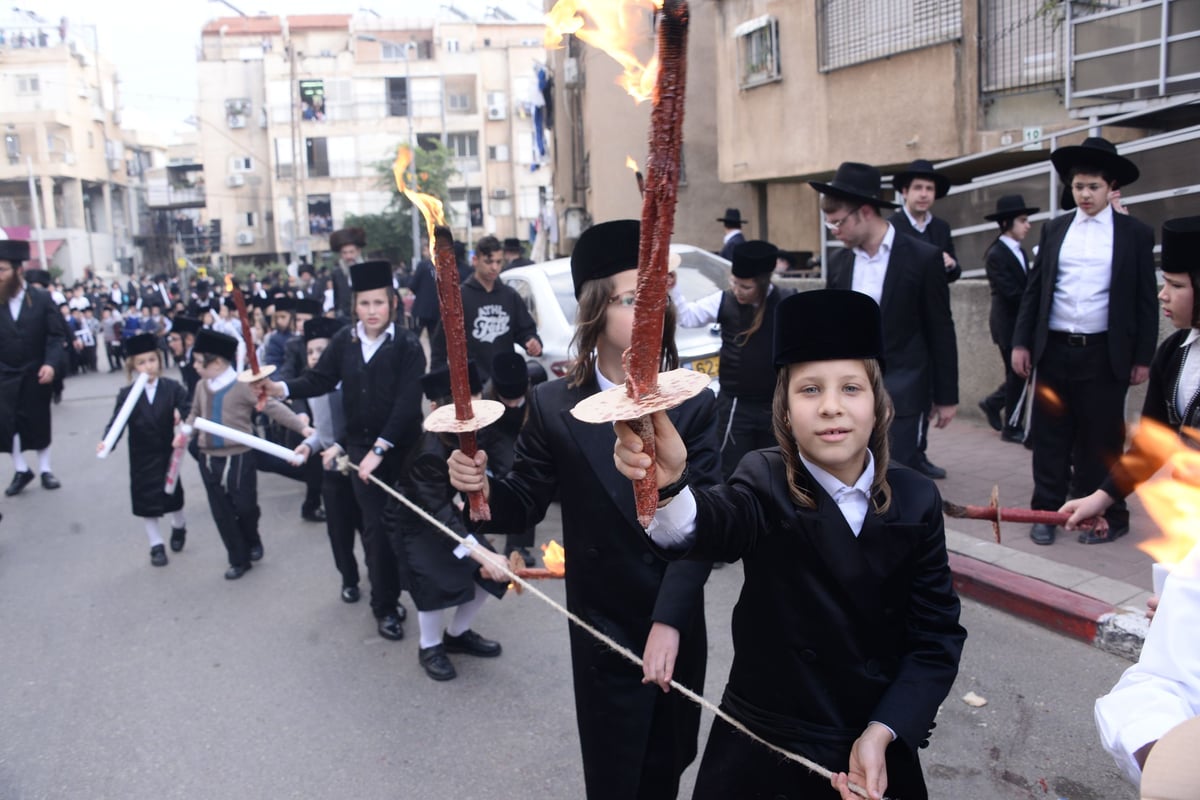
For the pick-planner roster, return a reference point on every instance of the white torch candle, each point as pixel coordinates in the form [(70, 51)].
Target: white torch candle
[(248, 440), (1159, 573), (122, 418)]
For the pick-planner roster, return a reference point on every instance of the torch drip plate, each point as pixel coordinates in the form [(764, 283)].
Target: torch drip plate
[(443, 420), (249, 376), (615, 405)]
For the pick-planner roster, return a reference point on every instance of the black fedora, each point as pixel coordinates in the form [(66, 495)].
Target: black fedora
[(1010, 206), (1099, 153), (733, 218), (1181, 245), (14, 251), (922, 169), (858, 183)]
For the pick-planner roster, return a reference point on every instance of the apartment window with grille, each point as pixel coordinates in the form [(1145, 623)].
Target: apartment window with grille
[(241, 164), (397, 97), (855, 31), (452, 46), (1021, 45), (317, 157), (463, 145), (459, 103), (28, 84), (758, 51)]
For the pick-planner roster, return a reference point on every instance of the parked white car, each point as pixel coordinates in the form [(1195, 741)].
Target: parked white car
[(550, 294)]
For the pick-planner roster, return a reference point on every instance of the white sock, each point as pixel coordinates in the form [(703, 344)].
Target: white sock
[(178, 520), (465, 614), (19, 463), (152, 531), (431, 628), (44, 460)]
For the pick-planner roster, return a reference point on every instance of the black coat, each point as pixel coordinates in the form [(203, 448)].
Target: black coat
[(1132, 307), (833, 631), (614, 582), (937, 233), (919, 343), (727, 248), (34, 339), (424, 288), (1007, 278), (495, 321), (151, 428), (342, 293)]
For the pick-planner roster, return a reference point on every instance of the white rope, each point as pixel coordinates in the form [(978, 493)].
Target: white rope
[(345, 465)]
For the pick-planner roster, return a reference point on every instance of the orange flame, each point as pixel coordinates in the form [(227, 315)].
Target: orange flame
[(429, 206), (1054, 403), (629, 162), (228, 282), (1173, 503), (611, 24), (554, 558)]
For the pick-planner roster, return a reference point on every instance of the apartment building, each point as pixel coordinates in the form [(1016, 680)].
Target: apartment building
[(298, 113)]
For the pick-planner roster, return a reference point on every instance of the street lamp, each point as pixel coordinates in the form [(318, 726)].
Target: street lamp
[(412, 143)]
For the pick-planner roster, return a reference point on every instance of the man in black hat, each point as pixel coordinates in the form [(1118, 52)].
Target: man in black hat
[(1088, 323), (180, 341), (203, 301), (1007, 273), (347, 245), (31, 354), (423, 284), (733, 232), (514, 253), (906, 277)]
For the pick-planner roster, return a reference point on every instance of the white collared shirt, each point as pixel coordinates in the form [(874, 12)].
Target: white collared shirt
[(729, 235), (1015, 246), (853, 501), (14, 303), (869, 271), (221, 381), (150, 390), (1189, 374), (1080, 303), (371, 346), (920, 226)]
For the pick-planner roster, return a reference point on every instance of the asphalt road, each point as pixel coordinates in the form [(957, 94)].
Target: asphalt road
[(119, 680)]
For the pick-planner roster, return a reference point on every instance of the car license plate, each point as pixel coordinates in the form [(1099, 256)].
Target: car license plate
[(709, 366)]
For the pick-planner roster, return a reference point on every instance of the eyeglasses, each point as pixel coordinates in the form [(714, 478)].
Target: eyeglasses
[(833, 226), (624, 300)]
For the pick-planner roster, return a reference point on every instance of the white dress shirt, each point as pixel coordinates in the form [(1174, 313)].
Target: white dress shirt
[(150, 390), (920, 226), (371, 346), (1080, 303), (1189, 374), (14, 303), (1015, 246), (869, 271), (221, 381)]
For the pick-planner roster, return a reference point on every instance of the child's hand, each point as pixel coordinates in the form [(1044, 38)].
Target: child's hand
[(492, 565), (178, 419), (867, 767), (1085, 508), (1151, 607), (658, 659), (467, 474), (303, 450), (369, 463), (670, 453), (330, 455), (308, 431), (179, 441), (304, 418)]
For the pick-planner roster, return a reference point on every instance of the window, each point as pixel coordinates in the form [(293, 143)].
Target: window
[(12, 148), (463, 145), (758, 51), (498, 152), (854, 31), (28, 84), (320, 215), (250, 219), (429, 141), (283, 158), (312, 100), (459, 103), (468, 203), (241, 164), (397, 97), (452, 45), (392, 51), (316, 153), (236, 111)]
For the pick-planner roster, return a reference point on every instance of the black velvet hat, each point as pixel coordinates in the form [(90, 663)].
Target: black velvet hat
[(754, 258), (142, 343), (604, 250), (436, 384), (216, 344), (733, 218), (284, 303), (370, 275), (1010, 206), (826, 325), (321, 328), (513, 245), (232, 306), (182, 325), (509, 375), (39, 276), (922, 169), (306, 306), (354, 236), (1181, 245), (14, 251), (203, 285), (858, 183), (1096, 153)]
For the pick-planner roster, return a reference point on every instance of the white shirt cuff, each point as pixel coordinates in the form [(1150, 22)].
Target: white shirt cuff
[(674, 525), (464, 550)]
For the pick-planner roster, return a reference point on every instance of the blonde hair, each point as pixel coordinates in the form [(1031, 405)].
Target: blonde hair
[(130, 359), (803, 490), (762, 284)]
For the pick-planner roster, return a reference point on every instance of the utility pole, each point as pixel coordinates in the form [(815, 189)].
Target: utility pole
[(37, 216), (299, 238)]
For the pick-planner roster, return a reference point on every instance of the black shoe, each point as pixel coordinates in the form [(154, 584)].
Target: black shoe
[(19, 482), (1041, 533), (928, 468), (471, 643), (178, 538), (49, 481), (1114, 532), (350, 594), (313, 515), (256, 553), (390, 628), (57, 398), (993, 415), (437, 665), (1013, 434), (158, 555), (237, 571)]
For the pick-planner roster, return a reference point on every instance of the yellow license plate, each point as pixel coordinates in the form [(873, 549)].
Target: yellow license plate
[(709, 366)]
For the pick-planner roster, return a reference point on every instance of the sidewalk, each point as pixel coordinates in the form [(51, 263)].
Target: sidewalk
[(1096, 593)]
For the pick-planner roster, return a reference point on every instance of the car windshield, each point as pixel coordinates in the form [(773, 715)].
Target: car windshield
[(564, 291)]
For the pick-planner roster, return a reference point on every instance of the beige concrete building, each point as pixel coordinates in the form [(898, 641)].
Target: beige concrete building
[(298, 113)]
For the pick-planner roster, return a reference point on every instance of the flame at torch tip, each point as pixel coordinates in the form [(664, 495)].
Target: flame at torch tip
[(554, 557), (429, 206), (611, 24), (633, 165), (228, 282), (1173, 503)]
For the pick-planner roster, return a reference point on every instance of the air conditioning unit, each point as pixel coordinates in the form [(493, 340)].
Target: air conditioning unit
[(499, 194), (571, 72), (496, 112), (244, 237), (236, 121), (235, 180)]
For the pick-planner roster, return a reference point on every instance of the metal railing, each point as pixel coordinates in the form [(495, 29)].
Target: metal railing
[(1021, 45)]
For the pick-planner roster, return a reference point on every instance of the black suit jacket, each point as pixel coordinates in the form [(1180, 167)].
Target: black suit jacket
[(937, 233), (1132, 307), (919, 344), (727, 248), (1007, 278)]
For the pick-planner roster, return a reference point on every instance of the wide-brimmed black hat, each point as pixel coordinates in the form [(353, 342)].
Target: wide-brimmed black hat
[(513, 245), (858, 183), (14, 251), (754, 258), (321, 328), (733, 218), (827, 325), (370, 275), (307, 305), (1010, 206), (436, 384), (604, 250), (39, 276), (306, 267), (345, 236), (510, 378), (1181, 245), (212, 343), (142, 343), (182, 325), (284, 303), (922, 169), (232, 306), (1097, 153)]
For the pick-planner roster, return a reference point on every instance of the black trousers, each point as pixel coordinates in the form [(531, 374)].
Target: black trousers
[(381, 560), (232, 486), (1008, 394), (1078, 422), (308, 473), (342, 520), (743, 425), (904, 439)]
